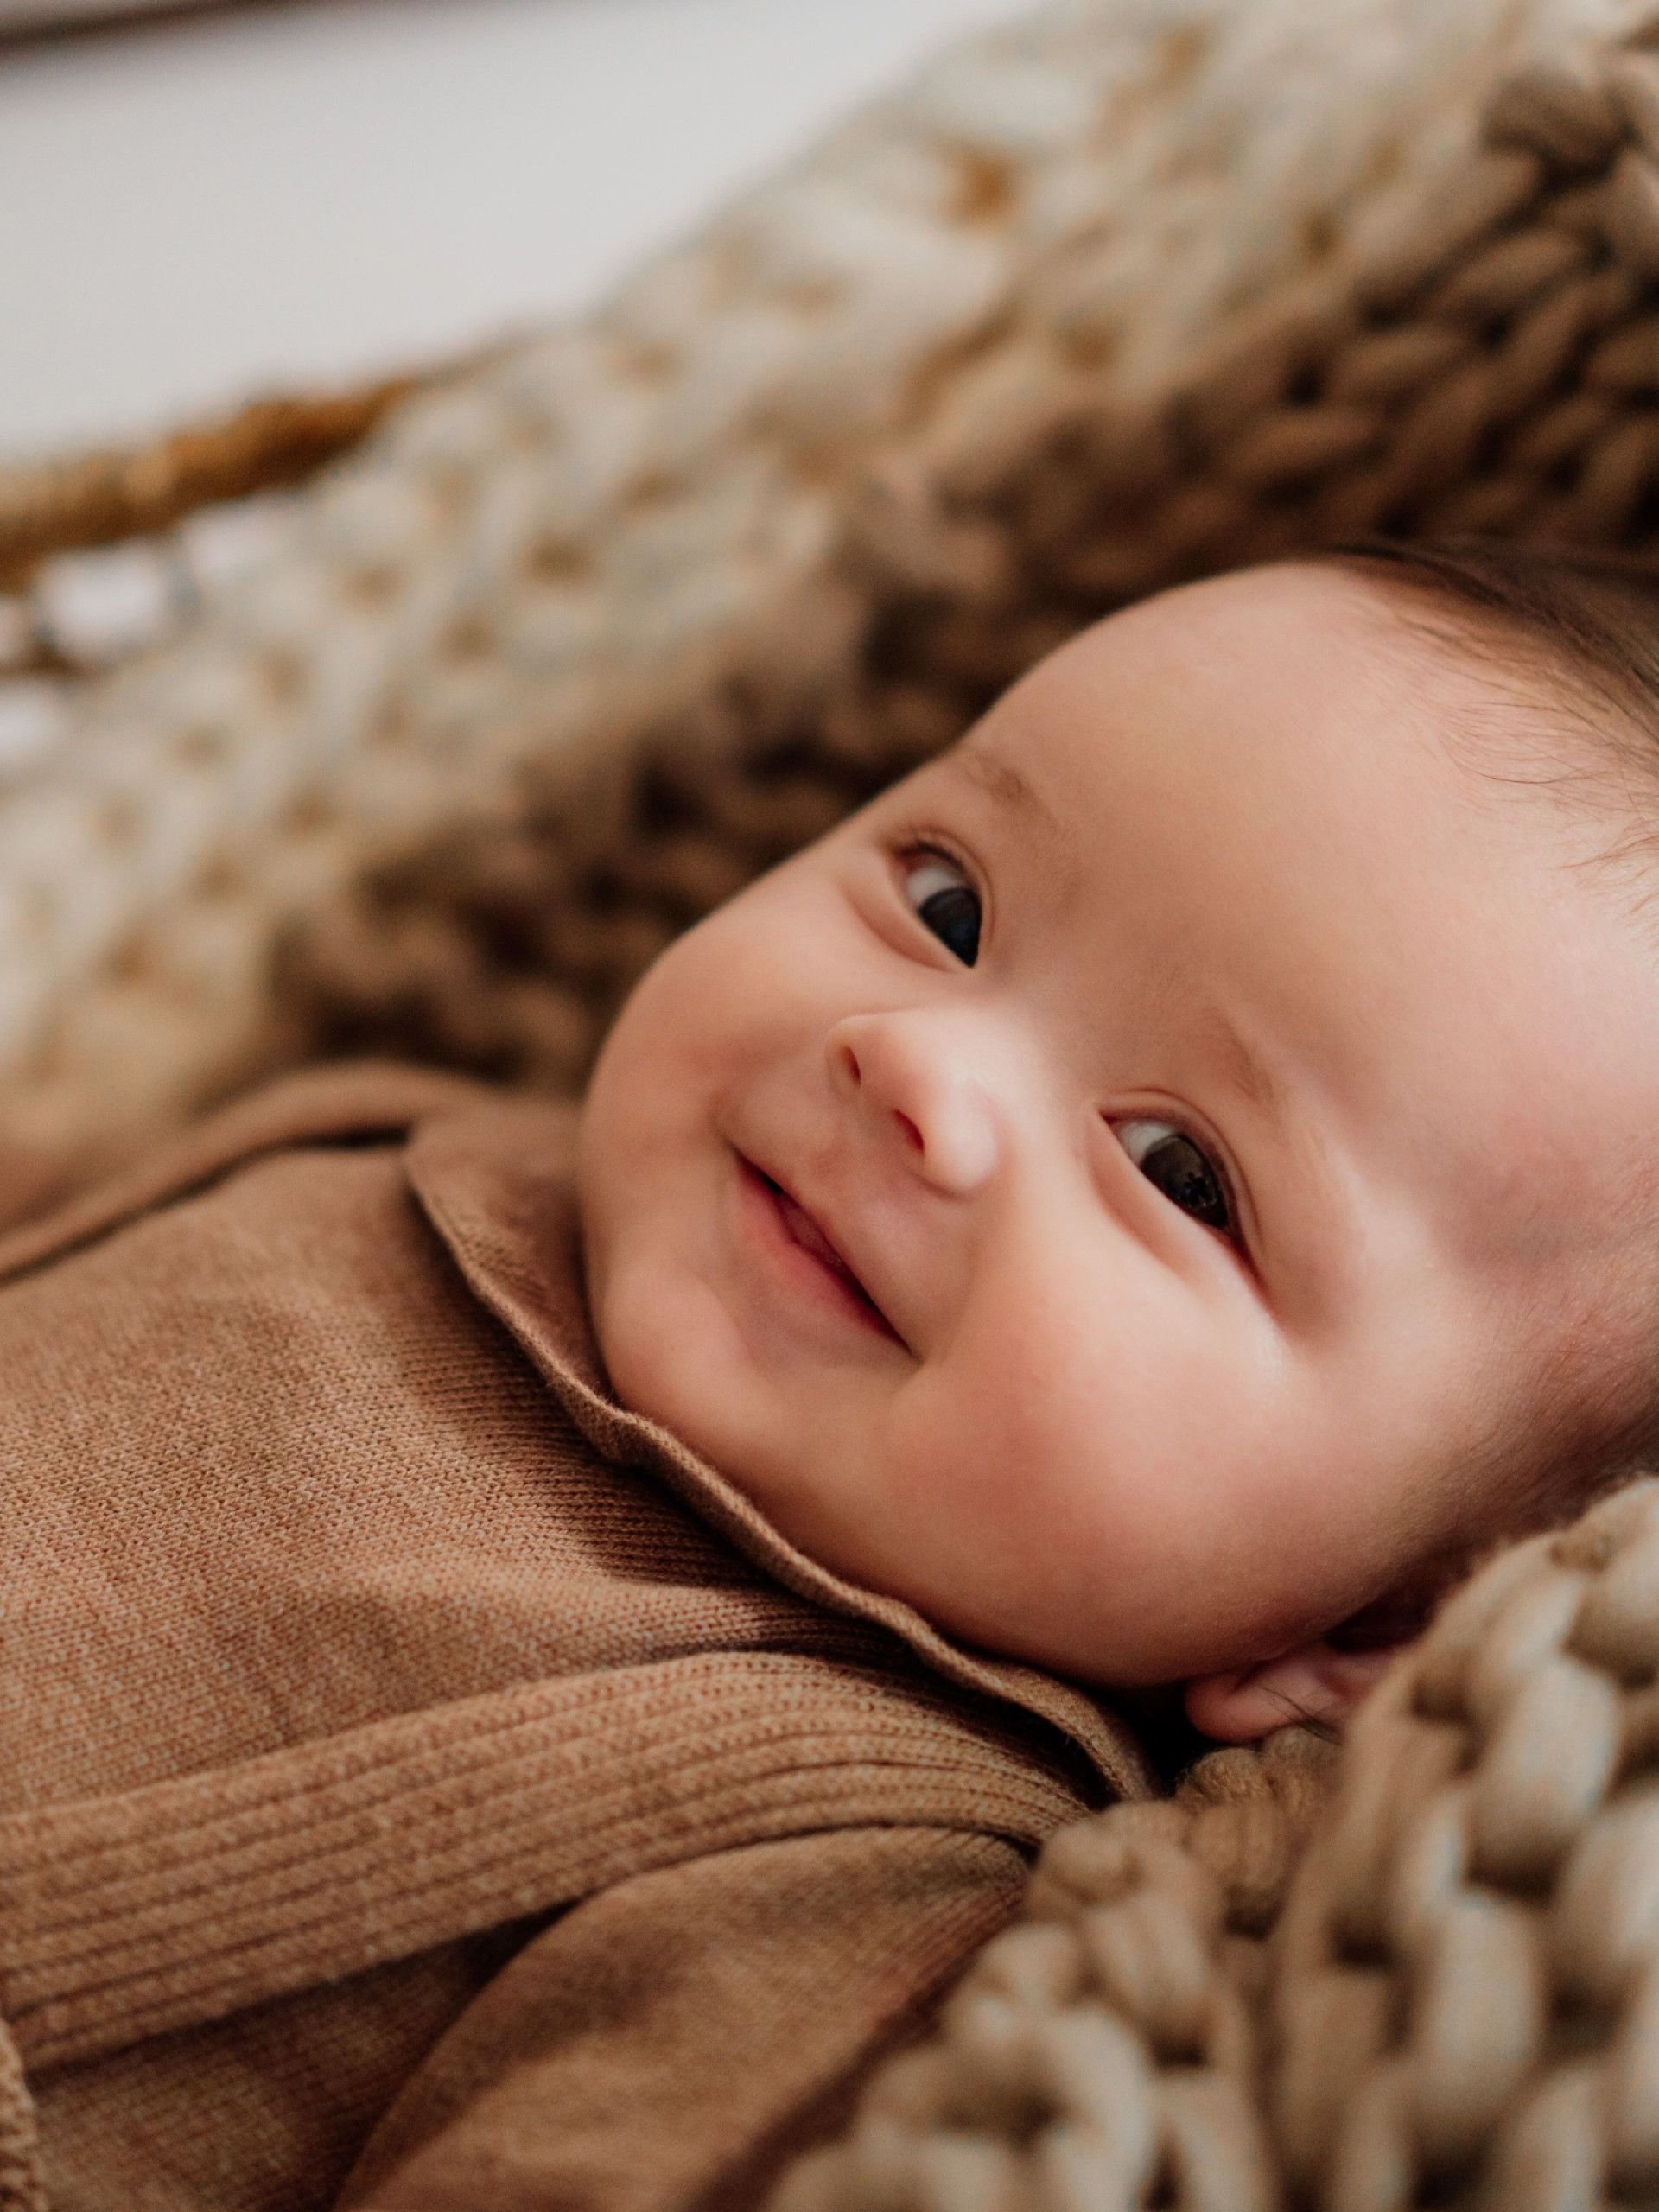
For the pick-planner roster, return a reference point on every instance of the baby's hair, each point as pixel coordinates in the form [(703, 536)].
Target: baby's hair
[(1595, 610), (1587, 623)]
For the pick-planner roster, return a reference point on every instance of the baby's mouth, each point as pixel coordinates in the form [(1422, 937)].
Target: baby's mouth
[(807, 1234), (806, 1231)]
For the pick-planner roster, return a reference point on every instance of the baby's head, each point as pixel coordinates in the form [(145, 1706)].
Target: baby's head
[(1232, 1074)]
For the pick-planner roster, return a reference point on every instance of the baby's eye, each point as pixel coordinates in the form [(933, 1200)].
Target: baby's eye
[(949, 908), (1170, 1159)]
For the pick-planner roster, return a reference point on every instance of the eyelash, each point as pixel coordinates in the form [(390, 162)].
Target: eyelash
[(908, 842), (904, 842)]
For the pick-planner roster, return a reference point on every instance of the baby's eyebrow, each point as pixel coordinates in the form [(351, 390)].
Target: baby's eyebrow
[(1008, 787), (1240, 1065), (1332, 1241), (1234, 1060)]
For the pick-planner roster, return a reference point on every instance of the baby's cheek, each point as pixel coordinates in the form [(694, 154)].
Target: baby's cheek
[(1107, 1450), (996, 1446)]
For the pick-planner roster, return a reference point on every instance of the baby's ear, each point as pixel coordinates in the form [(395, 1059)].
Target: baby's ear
[(1316, 1682), (1325, 1678)]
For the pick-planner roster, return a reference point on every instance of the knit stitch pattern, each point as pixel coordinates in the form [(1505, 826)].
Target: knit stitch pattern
[(1459, 2002), (581, 641)]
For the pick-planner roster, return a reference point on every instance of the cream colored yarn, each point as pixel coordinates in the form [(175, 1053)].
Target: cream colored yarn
[(1466, 2003), (1489, 365), (1103, 2052), (1123, 292), (1459, 2007)]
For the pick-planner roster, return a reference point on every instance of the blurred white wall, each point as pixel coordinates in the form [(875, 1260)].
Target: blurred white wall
[(192, 211)]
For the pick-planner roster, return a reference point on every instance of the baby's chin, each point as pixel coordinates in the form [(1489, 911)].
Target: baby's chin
[(672, 1356)]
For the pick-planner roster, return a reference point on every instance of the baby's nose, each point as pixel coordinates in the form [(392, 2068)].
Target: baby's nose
[(919, 1079)]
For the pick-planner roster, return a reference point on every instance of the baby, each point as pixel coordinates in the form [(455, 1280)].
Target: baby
[(539, 1638), (1169, 1180)]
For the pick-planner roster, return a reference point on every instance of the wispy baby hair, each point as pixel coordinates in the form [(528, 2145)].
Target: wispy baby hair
[(1584, 619)]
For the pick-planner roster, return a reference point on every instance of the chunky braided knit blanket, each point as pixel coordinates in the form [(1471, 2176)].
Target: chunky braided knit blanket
[(1443, 1991), (579, 641)]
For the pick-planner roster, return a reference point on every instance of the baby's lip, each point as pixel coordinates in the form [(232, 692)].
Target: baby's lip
[(832, 1242)]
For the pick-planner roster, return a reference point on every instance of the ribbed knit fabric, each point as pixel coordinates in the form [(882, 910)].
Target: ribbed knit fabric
[(357, 1640)]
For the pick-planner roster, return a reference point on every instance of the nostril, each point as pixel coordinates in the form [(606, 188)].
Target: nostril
[(910, 1129)]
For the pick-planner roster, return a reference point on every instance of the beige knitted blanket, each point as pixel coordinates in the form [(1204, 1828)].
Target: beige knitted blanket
[(1440, 1989), (579, 640)]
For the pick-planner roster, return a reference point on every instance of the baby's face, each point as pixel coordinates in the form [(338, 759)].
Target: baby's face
[(1230, 1101)]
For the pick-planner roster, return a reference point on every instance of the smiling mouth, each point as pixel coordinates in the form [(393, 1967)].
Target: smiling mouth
[(804, 1231)]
